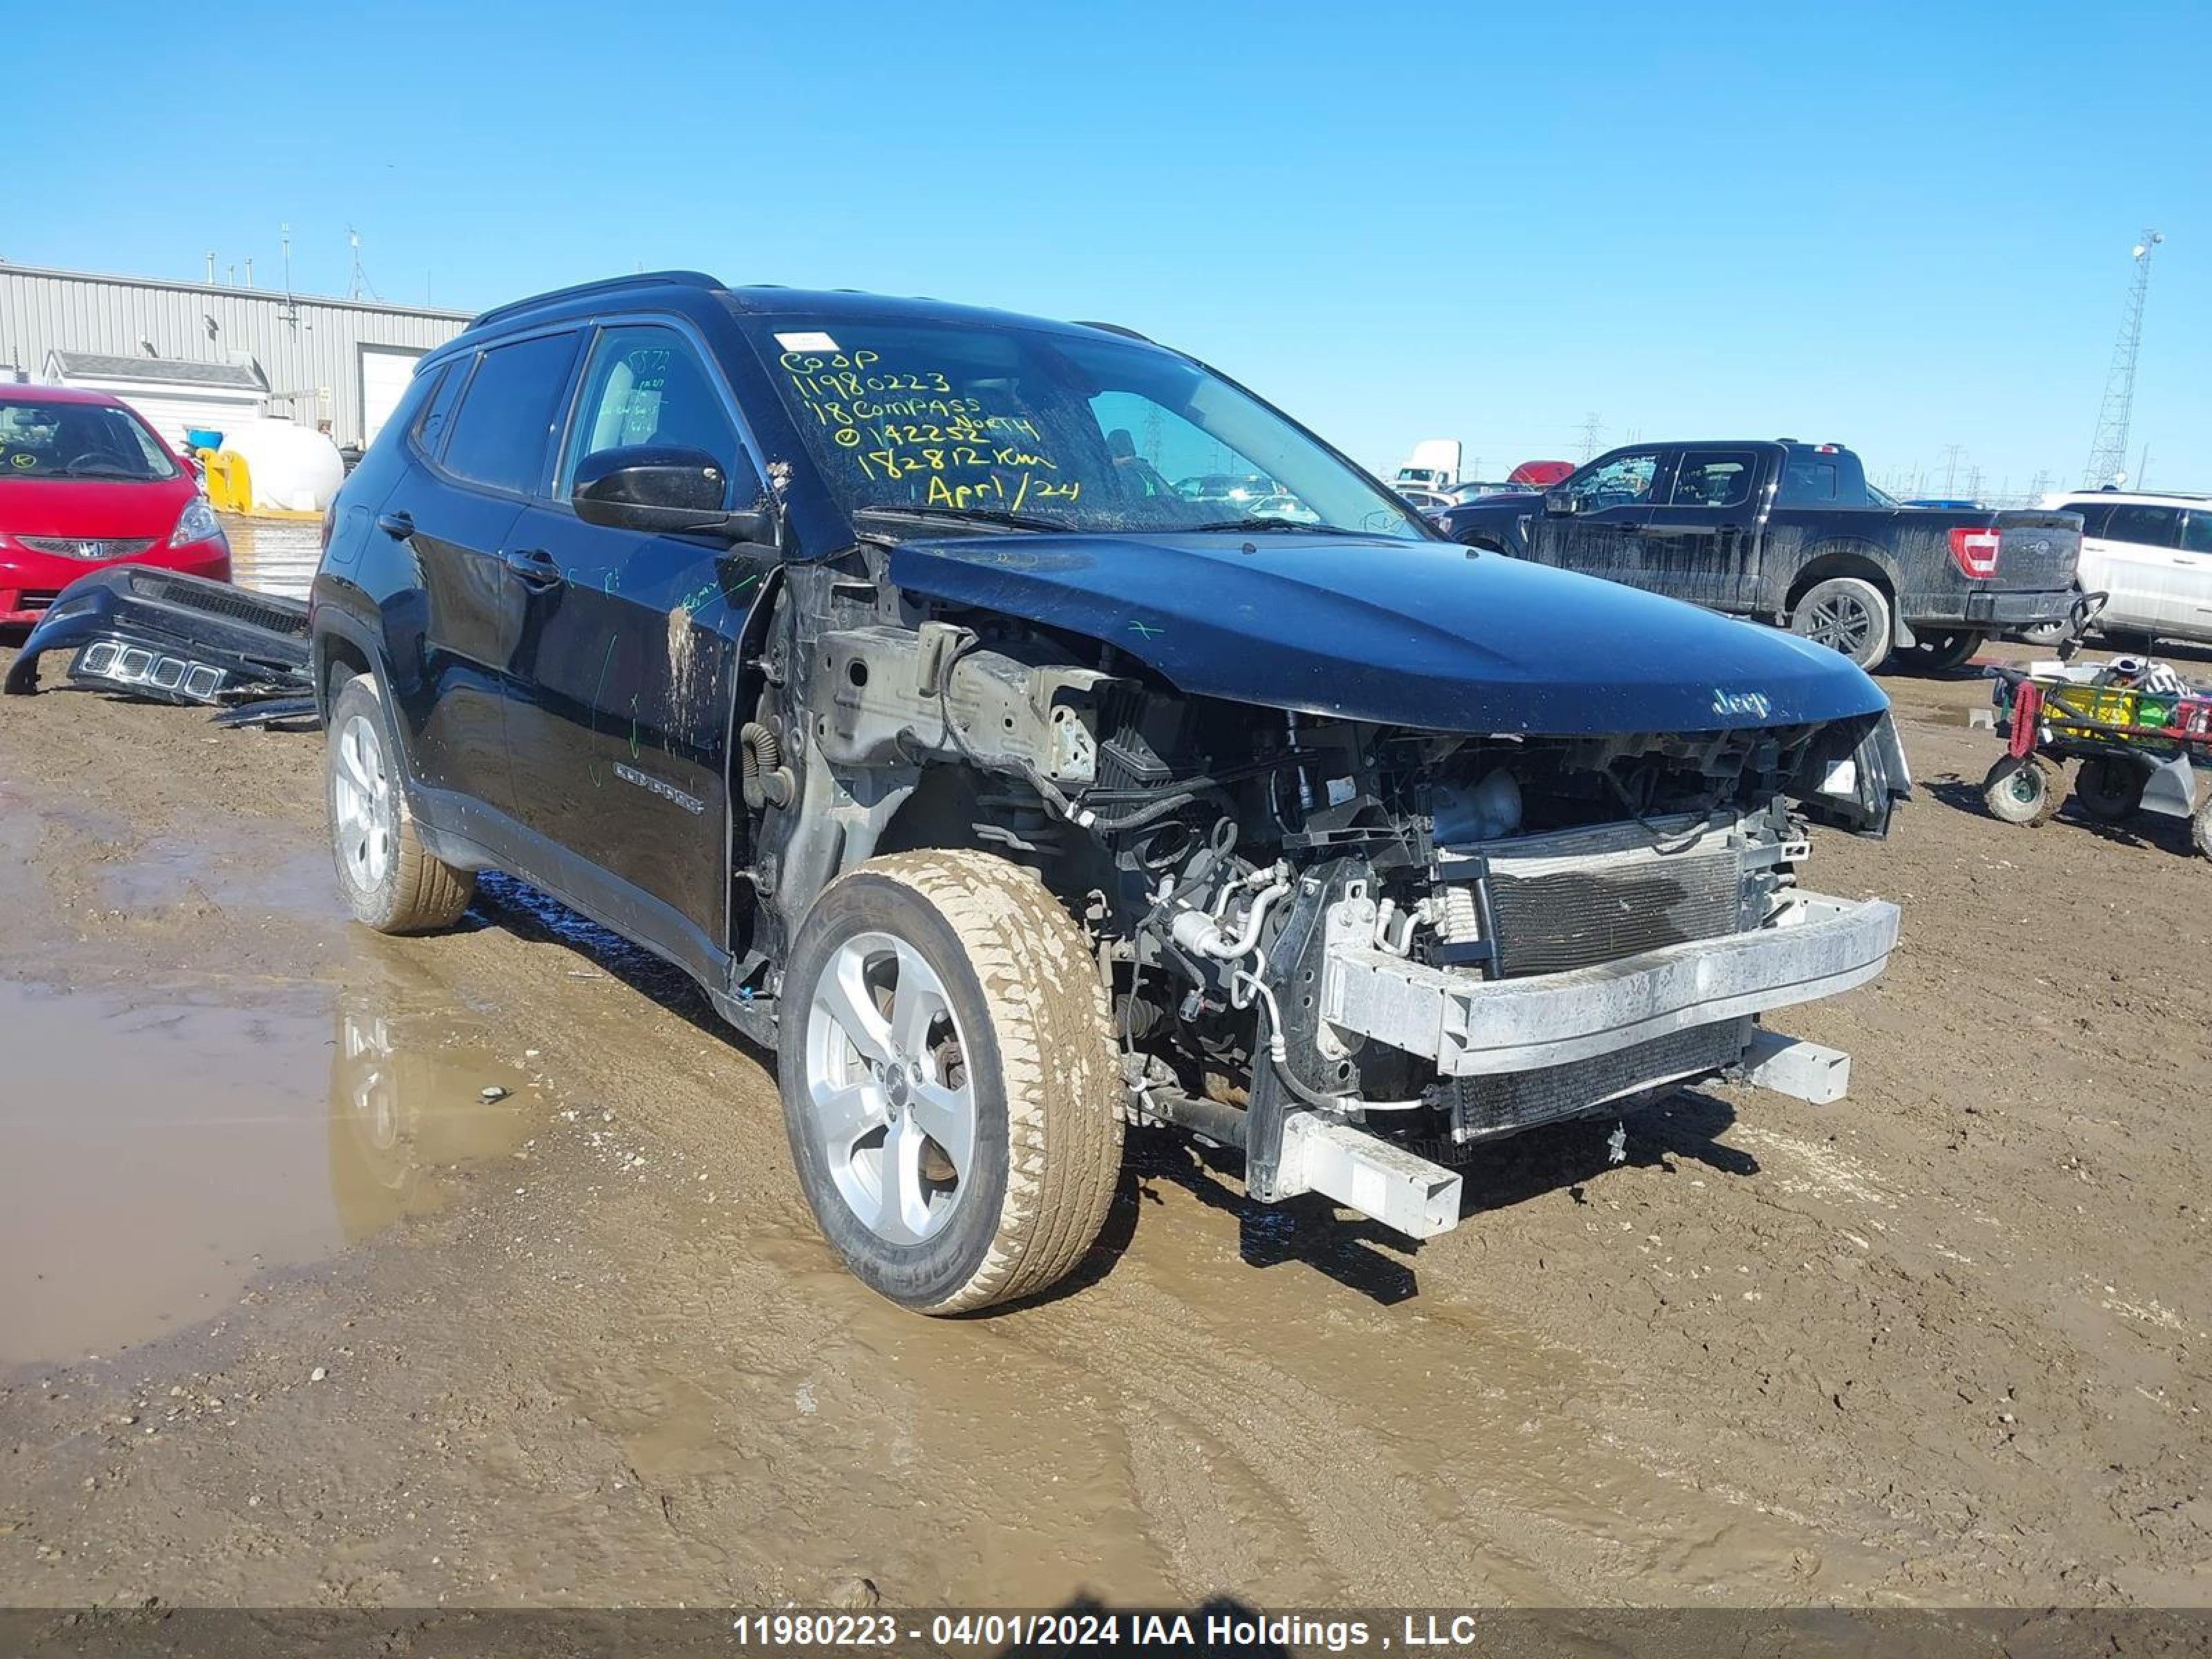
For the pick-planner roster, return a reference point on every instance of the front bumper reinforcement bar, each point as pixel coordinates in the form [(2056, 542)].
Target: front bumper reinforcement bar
[(1472, 1027)]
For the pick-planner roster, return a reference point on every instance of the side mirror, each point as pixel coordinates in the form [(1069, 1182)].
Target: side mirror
[(1562, 503), (665, 489)]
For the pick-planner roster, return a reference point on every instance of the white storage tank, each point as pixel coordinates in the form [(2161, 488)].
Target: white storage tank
[(290, 468)]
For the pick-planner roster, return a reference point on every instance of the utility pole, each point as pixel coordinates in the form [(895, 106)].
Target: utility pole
[(2108, 451), (1951, 453)]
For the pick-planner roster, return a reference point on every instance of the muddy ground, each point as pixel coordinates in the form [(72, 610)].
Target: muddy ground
[(290, 1313)]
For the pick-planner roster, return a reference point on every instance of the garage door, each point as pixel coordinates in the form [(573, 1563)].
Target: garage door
[(384, 372)]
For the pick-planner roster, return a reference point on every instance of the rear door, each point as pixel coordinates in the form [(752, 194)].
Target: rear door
[(2136, 547), (484, 446), (1613, 498), (1702, 544), (620, 735)]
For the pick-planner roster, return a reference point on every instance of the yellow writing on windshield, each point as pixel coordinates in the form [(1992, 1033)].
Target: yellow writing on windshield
[(916, 428)]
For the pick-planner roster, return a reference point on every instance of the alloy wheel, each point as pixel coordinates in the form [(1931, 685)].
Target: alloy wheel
[(888, 1085), (363, 803)]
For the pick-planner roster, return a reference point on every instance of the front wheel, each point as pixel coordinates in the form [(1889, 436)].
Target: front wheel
[(1845, 614), (2023, 792), (949, 1080)]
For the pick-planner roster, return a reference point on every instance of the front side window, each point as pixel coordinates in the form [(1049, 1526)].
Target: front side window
[(1055, 430), (500, 434), (2144, 525), (1713, 478), (645, 386), (42, 437), (1623, 480), (2196, 532)]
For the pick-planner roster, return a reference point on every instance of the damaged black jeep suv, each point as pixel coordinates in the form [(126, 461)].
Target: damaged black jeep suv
[(912, 678)]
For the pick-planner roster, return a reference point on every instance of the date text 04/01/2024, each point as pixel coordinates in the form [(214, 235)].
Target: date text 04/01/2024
[(1208, 1628)]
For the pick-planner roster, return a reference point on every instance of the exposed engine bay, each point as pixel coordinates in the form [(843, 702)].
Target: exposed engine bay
[(1357, 952)]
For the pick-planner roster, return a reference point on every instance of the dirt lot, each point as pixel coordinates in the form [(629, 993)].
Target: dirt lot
[(292, 1314)]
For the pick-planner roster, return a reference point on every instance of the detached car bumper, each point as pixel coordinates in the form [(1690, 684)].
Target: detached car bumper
[(165, 634), (30, 582)]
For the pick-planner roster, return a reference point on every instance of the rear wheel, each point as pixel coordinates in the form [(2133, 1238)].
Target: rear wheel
[(2109, 791), (949, 1080), (1847, 615), (390, 879), (2023, 792), (2200, 827)]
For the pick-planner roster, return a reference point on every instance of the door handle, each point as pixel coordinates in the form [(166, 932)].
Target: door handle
[(534, 566), (397, 526)]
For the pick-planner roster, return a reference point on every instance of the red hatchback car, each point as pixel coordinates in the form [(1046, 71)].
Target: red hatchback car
[(84, 482)]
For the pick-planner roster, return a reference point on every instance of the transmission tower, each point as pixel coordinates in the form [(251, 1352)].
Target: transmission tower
[(1591, 426), (2108, 454)]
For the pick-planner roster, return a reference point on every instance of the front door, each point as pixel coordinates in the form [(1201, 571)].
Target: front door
[(619, 738), (1613, 498), (2192, 577), (1703, 544)]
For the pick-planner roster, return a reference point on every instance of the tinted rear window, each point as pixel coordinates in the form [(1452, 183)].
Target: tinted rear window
[(2144, 525), (500, 435), (2094, 516)]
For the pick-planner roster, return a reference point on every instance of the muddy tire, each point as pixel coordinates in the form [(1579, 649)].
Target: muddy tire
[(1846, 614), (2109, 791), (949, 1080), (1941, 653), (2200, 827), (390, 880), (2021, 791)]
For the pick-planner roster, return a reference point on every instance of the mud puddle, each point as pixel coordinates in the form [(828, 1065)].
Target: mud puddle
[(161, 1154)]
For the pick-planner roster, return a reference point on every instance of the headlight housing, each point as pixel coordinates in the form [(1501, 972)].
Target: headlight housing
[(196, 523)]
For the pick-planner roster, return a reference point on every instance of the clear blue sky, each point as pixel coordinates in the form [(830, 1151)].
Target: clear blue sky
[(1904, 228)]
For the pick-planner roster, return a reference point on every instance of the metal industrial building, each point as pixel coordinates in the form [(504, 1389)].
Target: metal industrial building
[(197, 354)]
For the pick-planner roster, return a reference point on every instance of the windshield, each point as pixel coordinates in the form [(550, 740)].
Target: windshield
[(49, 439), (1052, 431)]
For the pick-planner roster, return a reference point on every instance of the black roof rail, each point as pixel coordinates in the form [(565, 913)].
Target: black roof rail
[(1116, 328), (605, 285)]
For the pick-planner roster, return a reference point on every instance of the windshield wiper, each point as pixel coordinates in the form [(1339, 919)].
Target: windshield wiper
[(977, 514), (1265, 522), (132, 474)]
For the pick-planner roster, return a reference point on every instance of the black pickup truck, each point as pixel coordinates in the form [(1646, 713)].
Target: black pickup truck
[(1791, 533)]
